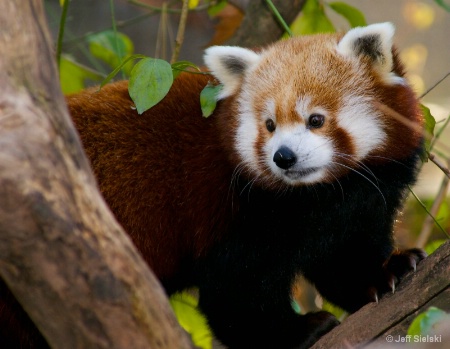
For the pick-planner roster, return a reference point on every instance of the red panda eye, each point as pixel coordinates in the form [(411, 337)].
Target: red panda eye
[(316, 121), (270, 125)]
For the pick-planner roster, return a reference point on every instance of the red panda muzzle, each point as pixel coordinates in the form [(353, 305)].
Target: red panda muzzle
[(284, 158)]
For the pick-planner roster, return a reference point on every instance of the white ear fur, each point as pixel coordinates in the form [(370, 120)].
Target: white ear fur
[(373, 41), (228, 64)]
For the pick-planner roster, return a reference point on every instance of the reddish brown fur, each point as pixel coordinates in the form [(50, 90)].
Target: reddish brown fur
[(401, 138), (169, 222)]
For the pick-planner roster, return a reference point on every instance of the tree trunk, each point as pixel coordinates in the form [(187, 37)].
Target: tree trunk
[(428, 286), (260, 27), (62, 253)]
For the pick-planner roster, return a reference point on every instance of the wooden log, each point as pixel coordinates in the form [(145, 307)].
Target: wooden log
[(428, 286), (62, 253)]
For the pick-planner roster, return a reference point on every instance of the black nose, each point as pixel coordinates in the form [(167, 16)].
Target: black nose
[(284, 158)]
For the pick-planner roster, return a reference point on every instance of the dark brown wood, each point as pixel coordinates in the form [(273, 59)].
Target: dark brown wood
[(428, 286), (260, 27), (62, 253)]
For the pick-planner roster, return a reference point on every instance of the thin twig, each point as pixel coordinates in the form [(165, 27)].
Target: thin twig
[(116, 37), (181, 29), (169, 10), (439, 164), (427, 226), (280, 19), (62, 25), (428, 212), (414, 126), (435, 85), (119, 25)]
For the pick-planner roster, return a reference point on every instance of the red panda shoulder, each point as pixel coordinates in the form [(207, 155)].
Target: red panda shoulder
[(142, 161)]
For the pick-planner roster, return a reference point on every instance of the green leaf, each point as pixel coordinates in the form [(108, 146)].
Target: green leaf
[(333, 309), (430, 123), (150, 81), (181, 66), (73, 75), (112, 48), (443, 5), (354, 16), (208, 99), (119, 67), (185, 308), (433, 246), (312, 20), (424, 323), (215, 9)]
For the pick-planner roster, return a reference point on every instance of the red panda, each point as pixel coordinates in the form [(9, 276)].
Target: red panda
[(298, 171)]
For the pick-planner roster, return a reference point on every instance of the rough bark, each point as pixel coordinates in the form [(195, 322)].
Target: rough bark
[(428, 286), (260, 27), (62, 253)]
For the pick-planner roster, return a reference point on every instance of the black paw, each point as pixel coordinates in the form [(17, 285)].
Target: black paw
[(400, 263), (404, 261)]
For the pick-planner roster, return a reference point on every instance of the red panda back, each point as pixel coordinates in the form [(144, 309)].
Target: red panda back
[(163, 173)]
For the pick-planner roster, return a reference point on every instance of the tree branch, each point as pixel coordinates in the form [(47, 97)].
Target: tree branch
[(260, 26), (428, 286), (90, 288)]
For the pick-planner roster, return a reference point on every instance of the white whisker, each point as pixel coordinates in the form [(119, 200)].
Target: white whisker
[(365, 177)]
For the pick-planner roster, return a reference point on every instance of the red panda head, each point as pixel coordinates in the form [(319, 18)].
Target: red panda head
[(308, 108)]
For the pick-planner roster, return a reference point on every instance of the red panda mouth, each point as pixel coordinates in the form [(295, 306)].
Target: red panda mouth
[(296, 174)]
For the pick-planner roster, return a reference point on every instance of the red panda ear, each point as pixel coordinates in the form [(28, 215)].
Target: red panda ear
[(373, 41), (229, 64)]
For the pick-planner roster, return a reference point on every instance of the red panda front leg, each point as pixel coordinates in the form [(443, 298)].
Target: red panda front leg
[(352, 283), (249, 306)]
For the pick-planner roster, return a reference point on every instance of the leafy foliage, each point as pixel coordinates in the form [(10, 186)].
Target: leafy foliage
[(150, 81), (73, 75), (444, 5), (426, 323), (430, 124), (354, 17), (314, 18), (208, 99), (433, 246), (112, 48), (185, 307)]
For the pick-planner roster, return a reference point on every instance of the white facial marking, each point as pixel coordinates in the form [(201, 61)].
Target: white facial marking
[(247, 133), (361, 121), (304, 108), (269, 111), (314, 154)]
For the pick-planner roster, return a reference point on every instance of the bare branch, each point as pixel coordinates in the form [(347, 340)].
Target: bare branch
[(260, 26), (428, 224), (439, 164)]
